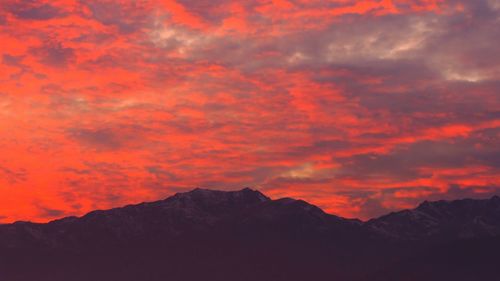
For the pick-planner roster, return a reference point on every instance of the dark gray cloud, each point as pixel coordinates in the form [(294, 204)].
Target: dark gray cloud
[(54, 54), (161, 174), (13, 176), (322, 147), (455, 46), (127, 17), (12, 60), (33, 10), (111, 138), (99, 138), (404, 162), (49, 213)]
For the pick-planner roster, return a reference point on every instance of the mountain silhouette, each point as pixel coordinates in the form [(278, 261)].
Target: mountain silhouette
[(244, 235), (466, 218)]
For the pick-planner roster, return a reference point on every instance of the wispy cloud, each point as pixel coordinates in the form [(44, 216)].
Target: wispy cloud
[(357, 106)]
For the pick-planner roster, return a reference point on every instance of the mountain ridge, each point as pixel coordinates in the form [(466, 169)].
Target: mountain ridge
[(494, 198), (245, 235)]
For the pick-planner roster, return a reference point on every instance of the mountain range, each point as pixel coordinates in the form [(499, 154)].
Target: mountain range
[(244, 235)]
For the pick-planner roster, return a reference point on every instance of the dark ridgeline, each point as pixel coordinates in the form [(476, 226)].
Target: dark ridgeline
[(245, 236)]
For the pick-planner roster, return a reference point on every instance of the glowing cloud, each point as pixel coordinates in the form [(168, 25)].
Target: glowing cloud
[(357, 106)]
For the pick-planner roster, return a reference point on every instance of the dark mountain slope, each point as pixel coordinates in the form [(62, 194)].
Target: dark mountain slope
[(203, 234), (442, 220), (459, 260), (244, 235)]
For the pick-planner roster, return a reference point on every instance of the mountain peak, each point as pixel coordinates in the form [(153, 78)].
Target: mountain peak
[(460, 203), (424, 204), (215, 197), (429, 204), (458, 218), (245, 192)]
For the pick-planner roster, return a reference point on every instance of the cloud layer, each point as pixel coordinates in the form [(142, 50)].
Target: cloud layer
[(360, 107)]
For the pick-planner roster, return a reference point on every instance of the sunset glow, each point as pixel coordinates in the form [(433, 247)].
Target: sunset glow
[(359, 107)]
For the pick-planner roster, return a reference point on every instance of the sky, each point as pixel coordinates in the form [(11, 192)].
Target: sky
[(359, 107)]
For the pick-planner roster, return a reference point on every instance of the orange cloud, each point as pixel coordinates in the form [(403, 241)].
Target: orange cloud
[(360, 107)]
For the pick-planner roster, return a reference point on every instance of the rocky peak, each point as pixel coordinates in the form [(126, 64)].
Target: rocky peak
[(458, 218), (207, 197)]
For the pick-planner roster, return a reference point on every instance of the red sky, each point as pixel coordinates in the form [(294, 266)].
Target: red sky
[(360, 107)]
